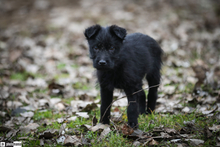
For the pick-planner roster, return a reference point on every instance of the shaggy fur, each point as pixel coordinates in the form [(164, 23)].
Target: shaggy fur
[(122, 61)]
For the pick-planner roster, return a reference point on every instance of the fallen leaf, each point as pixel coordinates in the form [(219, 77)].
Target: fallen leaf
[(83, 114), (27, 114), (210, 111), (55, 89), (136, 143), (189, 123), (121, 102), (4, 129), (62, 130), (175, 140), (99, 126), (54, 101), (104, 133), (85, 127), (165, 135), (39, 82), (48, 134), (41, 142), (78, 105), (14, 104), (89, 107), (61, 139), (195, 141), (60, 120), (150, 142), (169, 89), (29, 128), (15, 54), (147, 141), (207, 133), (153, 142), (214, 128), (73, 118), (59, 106), (18, 111), (72, 141), (170, 131), (11, 134), (187, 109), (126, 130)]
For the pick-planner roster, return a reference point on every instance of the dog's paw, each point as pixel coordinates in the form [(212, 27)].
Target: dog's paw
[(133, 125)]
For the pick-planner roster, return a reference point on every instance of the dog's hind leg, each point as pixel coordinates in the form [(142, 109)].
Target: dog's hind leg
[(153, 80), (141, 99), (133, 106)]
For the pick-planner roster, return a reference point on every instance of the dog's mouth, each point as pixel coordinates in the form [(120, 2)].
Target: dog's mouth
[(103, 68)]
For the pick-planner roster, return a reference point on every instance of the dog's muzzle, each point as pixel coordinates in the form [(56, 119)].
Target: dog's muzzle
[(102, 63)]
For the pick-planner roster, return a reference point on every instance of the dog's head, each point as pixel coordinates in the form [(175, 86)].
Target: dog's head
[(104, 45)]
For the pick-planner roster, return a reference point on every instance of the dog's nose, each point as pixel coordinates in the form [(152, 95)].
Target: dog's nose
[(102, 62)]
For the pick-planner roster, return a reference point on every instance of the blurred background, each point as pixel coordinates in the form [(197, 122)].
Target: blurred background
[(43, 52)]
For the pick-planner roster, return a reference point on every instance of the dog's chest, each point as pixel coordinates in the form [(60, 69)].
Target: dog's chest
[(114, 79)]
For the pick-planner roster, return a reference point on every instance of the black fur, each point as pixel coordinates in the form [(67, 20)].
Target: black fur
[(122, 62)]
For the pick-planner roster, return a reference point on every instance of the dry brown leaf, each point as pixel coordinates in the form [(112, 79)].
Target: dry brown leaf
[(14, 55), (126, 130)]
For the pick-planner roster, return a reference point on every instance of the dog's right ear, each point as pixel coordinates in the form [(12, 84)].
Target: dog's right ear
[(92, 31)]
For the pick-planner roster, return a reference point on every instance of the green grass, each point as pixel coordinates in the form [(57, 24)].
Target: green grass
[(147, 123), (54, 125), (171, 121), (79, 85), (19, 76), (63, 75), (75, 66), (22, 76), (61, 66), (112, 139), (68, 100), (47, 114)]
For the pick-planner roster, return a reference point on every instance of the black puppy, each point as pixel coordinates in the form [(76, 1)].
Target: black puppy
[(122, 62)]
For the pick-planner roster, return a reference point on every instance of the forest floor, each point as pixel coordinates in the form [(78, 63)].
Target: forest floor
[(48, 90)]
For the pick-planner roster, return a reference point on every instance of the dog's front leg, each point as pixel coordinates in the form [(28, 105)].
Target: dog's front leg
[(132, 111), (106, 100)]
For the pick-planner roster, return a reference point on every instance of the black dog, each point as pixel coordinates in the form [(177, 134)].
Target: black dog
[(122, 62)]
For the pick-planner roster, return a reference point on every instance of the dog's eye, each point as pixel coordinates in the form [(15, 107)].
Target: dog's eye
[(96, 48), (112, 48)]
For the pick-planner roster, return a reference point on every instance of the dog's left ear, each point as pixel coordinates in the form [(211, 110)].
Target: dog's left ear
[(118, 31)]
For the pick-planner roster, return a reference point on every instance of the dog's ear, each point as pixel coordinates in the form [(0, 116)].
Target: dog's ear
[(92, 31), (118, 31)]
